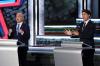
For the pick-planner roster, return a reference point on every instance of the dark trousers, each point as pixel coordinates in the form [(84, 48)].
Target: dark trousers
[(22, 53), (88, 57)]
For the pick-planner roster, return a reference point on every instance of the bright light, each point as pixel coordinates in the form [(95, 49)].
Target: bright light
[(6, 1)]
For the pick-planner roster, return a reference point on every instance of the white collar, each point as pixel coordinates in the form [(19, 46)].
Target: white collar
[(86, 22), (20, 24)]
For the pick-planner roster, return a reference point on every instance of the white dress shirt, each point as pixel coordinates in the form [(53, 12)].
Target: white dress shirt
[(18, 28), (86, 22), (20, 24)]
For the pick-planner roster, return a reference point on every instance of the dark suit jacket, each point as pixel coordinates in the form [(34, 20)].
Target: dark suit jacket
[(87, 34), (21, 38)]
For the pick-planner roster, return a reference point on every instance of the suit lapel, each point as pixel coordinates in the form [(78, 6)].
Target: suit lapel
[(86, 25), (22, 26)]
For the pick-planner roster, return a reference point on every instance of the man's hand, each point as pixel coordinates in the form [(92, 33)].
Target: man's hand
[(67, 32), (10, 31), (21, 31), (75, 33)]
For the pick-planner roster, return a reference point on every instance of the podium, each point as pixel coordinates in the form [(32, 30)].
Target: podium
[(68, 55), (8, 52)]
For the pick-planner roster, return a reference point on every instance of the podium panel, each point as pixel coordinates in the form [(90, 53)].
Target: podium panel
[(8, 53), (67, 57)]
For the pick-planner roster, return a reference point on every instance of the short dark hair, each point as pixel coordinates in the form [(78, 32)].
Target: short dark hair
[(87, 11)]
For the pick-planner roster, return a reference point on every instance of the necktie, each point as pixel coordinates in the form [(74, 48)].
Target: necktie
[(83, 26), (17, 28)]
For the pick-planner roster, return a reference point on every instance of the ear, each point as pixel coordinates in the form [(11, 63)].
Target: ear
[(89, 15)]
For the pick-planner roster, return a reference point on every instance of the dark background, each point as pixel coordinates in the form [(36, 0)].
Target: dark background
[(60, 12)]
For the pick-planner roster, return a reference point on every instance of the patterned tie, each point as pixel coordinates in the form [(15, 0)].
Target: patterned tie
[(17, 28)]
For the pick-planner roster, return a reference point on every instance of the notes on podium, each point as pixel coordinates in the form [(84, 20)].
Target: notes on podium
[(69, 54), (8, 52)]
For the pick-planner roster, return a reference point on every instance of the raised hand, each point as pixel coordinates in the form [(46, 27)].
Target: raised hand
[(67, 32)]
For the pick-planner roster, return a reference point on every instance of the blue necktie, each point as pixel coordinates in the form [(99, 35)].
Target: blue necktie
[(17, 28)]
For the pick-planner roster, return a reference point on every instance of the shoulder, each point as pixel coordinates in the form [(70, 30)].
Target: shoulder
[(91, 23), (25, 24), (81, 24)]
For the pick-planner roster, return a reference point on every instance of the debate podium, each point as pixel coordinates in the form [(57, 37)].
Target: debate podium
[(8, 52), (69, 54)]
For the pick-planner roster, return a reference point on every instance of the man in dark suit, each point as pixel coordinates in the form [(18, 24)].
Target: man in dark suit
[(86, 32), (21, 32)]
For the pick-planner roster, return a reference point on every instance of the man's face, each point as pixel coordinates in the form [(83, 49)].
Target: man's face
[(19, 17), (85, 16)]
